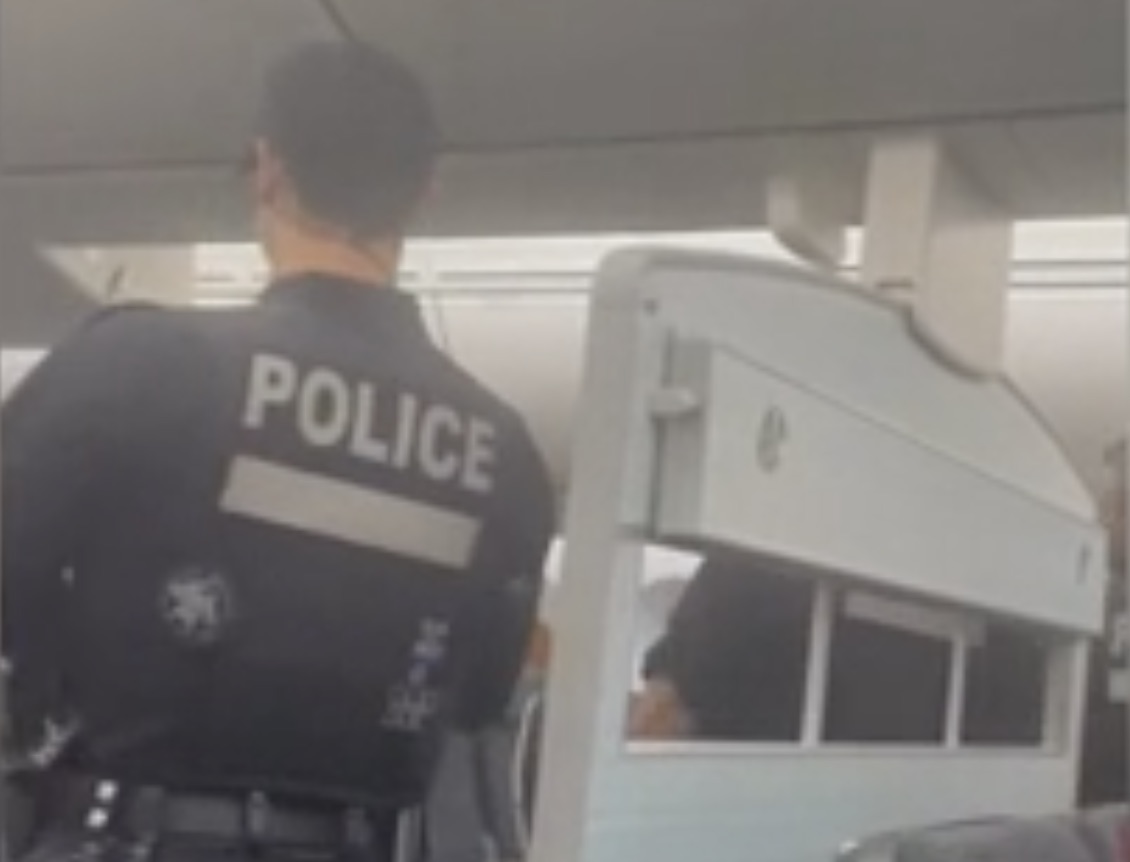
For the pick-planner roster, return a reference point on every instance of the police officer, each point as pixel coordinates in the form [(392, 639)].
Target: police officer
[(256, 561)]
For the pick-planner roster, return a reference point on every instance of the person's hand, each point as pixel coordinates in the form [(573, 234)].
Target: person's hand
[(659, 713)]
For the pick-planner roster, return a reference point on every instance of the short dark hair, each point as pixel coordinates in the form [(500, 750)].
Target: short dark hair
[(355, 130)]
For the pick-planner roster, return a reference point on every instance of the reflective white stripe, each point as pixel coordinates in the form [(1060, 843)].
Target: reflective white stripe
[(315, 504)]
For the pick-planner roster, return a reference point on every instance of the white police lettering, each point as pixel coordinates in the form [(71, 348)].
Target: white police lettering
[(478, 468), (406, 415), (440, 460), (274, 381), (323, 408), (364, 444), (400, 431)]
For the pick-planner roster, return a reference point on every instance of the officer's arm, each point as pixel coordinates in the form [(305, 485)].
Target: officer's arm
[(506, 613), (63, 441)]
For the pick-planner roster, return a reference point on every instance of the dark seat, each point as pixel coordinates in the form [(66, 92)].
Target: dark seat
[(1097, 836)]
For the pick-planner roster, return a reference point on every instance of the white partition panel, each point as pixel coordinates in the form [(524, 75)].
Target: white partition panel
[(769, 409), (766, 462)]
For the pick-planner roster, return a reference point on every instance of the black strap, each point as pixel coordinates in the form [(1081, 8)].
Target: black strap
[(152, 815)]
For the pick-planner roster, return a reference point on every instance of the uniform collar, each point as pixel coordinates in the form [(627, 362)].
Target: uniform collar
[(339, 297)]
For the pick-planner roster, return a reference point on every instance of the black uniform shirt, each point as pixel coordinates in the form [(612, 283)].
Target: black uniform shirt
[(278, 546)]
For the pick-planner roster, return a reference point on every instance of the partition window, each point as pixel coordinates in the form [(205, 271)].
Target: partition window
[(1006, 688), (768, 656), (887, 680)]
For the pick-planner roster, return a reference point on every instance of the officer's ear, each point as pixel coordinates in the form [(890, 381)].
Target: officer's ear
[(268, 175), (429, 195)]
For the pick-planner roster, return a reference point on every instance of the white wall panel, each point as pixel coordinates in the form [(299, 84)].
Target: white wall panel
[(1067, 350), (527, 350)]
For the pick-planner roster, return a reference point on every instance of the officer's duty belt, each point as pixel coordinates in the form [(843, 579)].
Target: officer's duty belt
[(232, 819)]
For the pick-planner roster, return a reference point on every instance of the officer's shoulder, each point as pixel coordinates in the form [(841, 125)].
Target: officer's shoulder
[(486, 400), (144, 316), (527, 458), (132, 315), (156, 329)]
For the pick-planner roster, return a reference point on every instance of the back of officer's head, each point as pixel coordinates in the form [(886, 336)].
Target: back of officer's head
[(347, 138)]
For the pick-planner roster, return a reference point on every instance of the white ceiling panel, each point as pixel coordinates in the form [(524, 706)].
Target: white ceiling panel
[(130, 207), (87, 83), (1054, 166), (158, 81), (1085, 158), (121, 119), (1070, 166), (520, 72)]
